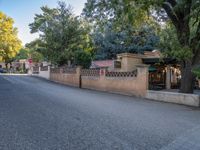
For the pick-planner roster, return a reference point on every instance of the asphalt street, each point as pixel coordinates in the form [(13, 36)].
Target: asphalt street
[(37, 114)]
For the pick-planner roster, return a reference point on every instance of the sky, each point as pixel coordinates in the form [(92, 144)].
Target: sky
[(23, 12)]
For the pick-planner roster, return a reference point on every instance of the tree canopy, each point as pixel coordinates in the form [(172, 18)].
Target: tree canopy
[(9, 42), (109, 43), (115, 31), (62, 33)]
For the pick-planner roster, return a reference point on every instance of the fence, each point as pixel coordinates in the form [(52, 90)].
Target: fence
[(132, 83), (45, 68), (90, 72), (121, 74), (68, 76), (69, 70), (35, 70), (43, 72)]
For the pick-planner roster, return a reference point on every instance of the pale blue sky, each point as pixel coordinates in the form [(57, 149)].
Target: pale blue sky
[(23, 11)]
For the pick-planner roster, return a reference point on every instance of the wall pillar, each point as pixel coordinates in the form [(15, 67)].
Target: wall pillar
[(30, 70), (102, 73), (168, 77), (49, 72), (143, 79), (78, 76)]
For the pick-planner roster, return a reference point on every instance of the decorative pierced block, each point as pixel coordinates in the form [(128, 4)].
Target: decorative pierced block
[(121, 74), (45, 68), (90, 72), (35, 70), (55, 70), (69, 70)]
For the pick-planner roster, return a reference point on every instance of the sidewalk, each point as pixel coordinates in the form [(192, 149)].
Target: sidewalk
[(196, 91)]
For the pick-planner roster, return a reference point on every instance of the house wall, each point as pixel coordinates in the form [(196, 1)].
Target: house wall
[(129, 62)]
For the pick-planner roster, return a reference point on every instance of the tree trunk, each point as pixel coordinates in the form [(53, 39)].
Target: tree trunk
[(6, 64), (187, 78)]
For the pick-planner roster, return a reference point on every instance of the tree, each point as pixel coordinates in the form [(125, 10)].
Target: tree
[(22, 54), (36, 51), (9, 42), (62, 33), (109, 43), (83, 59), (111, 36), (102, 12), (36, 56), (37, 45), (183, 14)]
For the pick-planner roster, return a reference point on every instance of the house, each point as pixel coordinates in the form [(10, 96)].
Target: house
[(163, 72)]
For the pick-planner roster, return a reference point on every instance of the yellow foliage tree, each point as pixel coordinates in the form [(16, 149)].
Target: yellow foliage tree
[(9, 41)]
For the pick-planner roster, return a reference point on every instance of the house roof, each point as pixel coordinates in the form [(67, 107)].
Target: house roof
[(102, 63)]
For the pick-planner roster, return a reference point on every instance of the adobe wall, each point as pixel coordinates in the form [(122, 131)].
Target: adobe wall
[(126, 85), (71, 79), (129, 61)]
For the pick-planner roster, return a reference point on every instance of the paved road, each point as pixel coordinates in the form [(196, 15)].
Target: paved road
[(40, 115)]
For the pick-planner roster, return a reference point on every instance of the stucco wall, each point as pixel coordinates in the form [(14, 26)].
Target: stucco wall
[(129, 61), (72, 79), (68, 79), (172, 97), (44, 74), (127, 85), (91, 79)]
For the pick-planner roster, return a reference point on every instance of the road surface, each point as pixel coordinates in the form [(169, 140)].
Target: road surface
[(36, 114)]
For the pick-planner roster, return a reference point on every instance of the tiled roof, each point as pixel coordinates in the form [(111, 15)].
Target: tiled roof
[(102, 63)]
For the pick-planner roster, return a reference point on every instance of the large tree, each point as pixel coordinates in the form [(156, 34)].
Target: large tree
[(63, 34), (183, 14), (111, 36), (9, 42), (110, 42)]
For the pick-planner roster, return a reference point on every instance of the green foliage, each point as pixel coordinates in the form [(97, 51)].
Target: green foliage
[(9, 42), (37, 45), (37, 50), (110, 43), (36, 56), (196, 71), (83, 58), (23, 54), (171, 46), (62, 33), (184, 15), (101, 12), (136, 34)]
